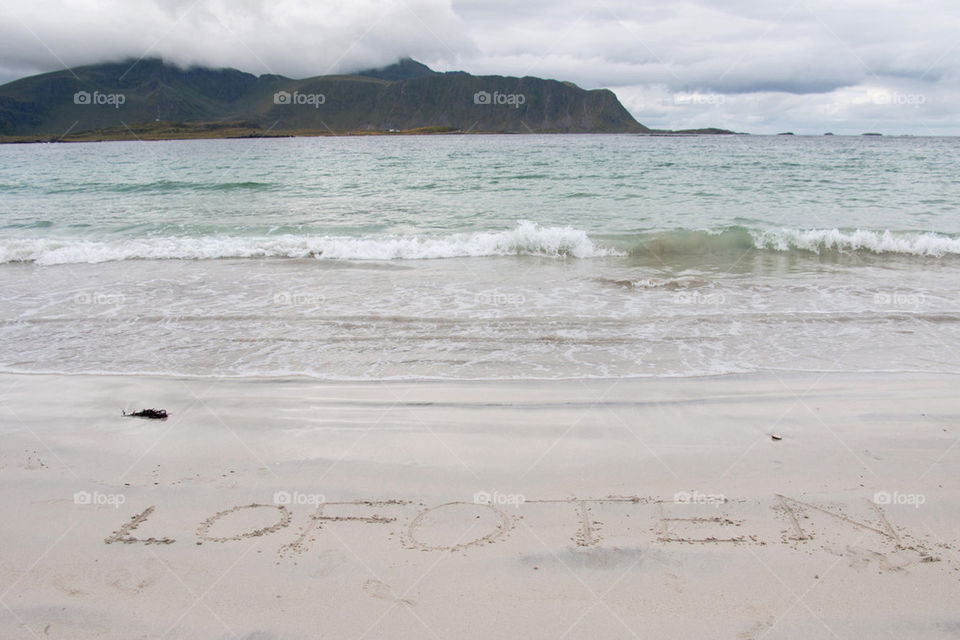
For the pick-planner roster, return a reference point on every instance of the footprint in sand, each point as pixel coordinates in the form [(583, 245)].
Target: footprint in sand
[(758, 629), (330, 561), (34, 462), (122, 580), (128, 583), (381, 591), (891, 562), (67, 585)]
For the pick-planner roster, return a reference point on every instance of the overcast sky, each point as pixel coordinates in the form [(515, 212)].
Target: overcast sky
[(762, 66)]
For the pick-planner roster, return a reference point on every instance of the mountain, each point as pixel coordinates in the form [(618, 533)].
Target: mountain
[(403, 96), (405, 69)]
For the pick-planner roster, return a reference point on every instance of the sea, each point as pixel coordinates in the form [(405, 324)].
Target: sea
[(481, 257)]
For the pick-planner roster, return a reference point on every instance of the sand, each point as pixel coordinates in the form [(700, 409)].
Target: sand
[(658, 508)]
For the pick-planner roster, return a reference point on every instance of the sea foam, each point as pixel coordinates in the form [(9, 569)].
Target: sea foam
[(818, 240), (527, 238)]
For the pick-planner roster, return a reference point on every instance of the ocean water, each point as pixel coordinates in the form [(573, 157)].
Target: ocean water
[(481, 257)]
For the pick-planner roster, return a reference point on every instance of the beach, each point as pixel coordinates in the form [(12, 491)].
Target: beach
[(458, 321), (480, 387), (773, 505)]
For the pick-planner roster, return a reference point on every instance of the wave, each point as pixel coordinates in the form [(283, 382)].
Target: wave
[(737, 240), (858, 241), (166, 186), (526, 239)]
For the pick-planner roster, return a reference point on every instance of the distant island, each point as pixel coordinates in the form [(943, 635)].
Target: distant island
[(150, 100)]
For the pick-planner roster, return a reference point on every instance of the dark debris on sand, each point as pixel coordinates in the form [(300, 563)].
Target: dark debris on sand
[(155, 414)]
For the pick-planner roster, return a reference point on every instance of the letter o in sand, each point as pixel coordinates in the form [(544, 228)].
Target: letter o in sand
[(457, 525), (203, 532)]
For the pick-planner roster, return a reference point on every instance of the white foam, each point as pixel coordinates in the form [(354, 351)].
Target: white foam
[(817, 240), (527, 238)]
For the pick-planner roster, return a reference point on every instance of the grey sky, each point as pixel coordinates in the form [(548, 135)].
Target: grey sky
[(762, 66)]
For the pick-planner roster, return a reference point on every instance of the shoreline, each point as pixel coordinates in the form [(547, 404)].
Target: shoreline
[(276, 507), (765, 375), (149, 132)]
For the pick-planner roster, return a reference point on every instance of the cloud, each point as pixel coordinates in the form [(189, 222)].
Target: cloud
[(912, 109), (804, 65), (808, 65), (290, 37)]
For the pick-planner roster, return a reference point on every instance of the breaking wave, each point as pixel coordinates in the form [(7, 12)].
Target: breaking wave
[(525, 239), (732, 240)]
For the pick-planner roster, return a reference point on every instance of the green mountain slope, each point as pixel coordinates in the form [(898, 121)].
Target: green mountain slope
[(402, 96)]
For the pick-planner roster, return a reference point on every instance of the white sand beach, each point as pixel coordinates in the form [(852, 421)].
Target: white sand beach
[(632, 508)]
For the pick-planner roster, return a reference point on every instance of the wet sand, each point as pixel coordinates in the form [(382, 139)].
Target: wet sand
[(293, 508)]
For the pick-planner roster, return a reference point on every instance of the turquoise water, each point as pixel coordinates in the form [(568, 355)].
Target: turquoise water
[(481, 256)]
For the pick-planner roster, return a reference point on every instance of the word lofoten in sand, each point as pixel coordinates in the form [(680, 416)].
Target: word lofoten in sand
[(459, 526)]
